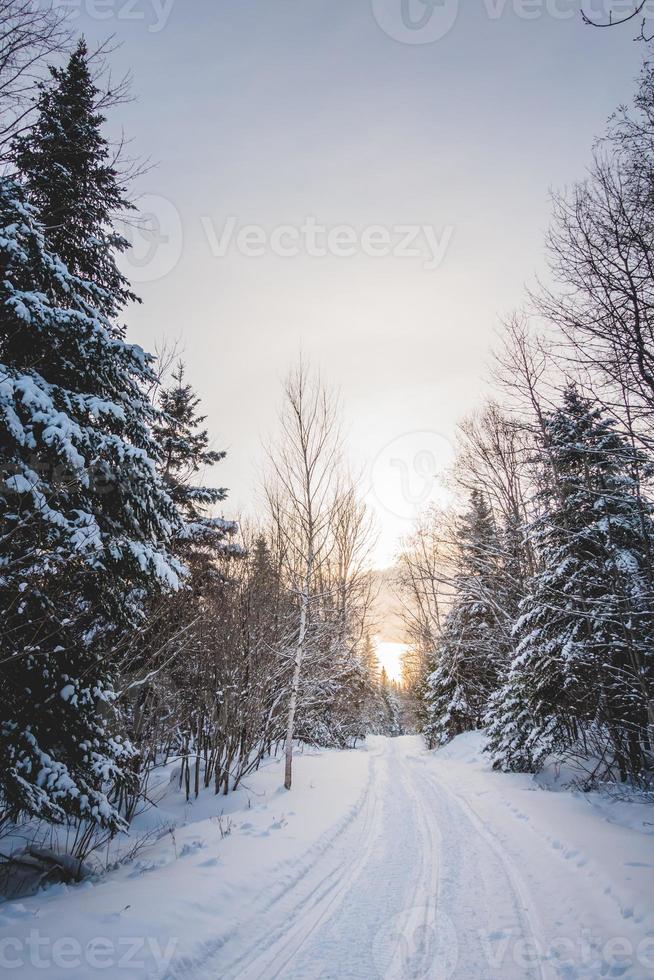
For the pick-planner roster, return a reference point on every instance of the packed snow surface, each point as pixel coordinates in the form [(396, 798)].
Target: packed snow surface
[(384, 862)]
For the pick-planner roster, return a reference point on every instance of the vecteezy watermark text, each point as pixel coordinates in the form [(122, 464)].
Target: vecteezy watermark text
[(154, 13), (421, 942), (426, 21), (99, 953), (317, 240)]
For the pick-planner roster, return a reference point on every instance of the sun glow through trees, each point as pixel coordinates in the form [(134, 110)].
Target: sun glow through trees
[(390, 657)]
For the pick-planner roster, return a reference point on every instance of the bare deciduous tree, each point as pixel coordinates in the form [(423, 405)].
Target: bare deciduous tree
[(302, 490), (637, 11), (602, 258), (30, 34)]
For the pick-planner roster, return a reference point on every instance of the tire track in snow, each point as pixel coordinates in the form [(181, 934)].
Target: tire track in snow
[(298, 889), (342, 908), (381, 921), (421, 948), (571, 931), (282, 944), (456, 816), (411, 884)]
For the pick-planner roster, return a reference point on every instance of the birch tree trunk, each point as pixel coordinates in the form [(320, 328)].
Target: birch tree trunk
[(295, 687)]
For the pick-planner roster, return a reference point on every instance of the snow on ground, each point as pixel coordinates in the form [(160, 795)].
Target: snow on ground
[(385, 862)]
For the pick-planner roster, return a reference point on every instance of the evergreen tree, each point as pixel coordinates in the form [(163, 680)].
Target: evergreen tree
[(185, 451), (72, 181), (85, 525), (373, 711), (392, 709), (172, 646), (266, 601), (473, 641), (583, 671)]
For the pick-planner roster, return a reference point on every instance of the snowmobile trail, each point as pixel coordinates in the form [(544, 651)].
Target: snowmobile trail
[(412, 886), (439, 870)]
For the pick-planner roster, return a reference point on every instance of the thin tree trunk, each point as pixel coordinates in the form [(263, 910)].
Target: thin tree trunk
[(295, 685)]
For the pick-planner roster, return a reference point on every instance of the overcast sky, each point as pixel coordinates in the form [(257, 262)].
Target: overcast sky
[(440, 140)]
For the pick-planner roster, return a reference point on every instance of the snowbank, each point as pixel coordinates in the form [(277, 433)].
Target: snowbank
[(189, 889)]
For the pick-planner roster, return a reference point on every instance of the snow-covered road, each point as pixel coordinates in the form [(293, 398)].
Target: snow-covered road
[(420, 883), (386, 862)]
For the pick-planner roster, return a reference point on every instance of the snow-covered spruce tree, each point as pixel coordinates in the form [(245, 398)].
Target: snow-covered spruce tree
[(85, 523), (391, 704), (71, 178), (472, 646), (380, 711), (583, 674), (339, 696), (185, 451), (171, 669)]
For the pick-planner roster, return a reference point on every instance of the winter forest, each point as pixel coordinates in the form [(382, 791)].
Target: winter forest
[(162, 648)]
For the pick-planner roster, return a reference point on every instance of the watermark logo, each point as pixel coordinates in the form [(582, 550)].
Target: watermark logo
[(416, 21), (408, 473), (155, 14), (132, 954), (317, 240), (426, 21), (419, 943), (156, 238)]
